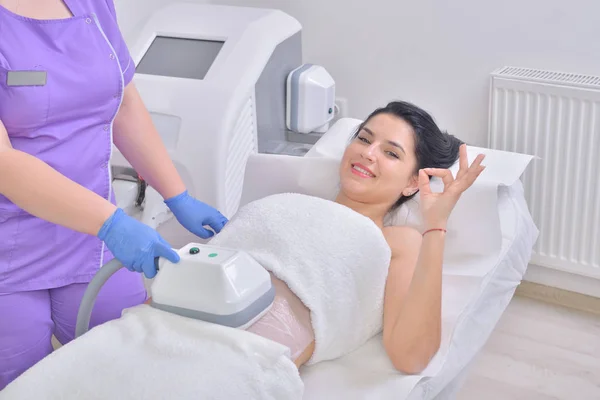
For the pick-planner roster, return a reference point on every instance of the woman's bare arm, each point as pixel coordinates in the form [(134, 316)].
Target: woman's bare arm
[(413, 299), (412, 303), (42, 191)]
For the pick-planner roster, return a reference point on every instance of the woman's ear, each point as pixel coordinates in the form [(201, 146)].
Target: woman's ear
[(412, 187)]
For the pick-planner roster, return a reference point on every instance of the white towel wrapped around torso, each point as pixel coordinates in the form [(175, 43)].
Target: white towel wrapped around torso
[(333, 258)]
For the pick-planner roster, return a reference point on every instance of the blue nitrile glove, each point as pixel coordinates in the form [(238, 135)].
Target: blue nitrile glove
[(135, 244), (194, 215)]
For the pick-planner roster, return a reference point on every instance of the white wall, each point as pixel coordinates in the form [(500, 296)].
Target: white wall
[(436, 53), (439, 53)]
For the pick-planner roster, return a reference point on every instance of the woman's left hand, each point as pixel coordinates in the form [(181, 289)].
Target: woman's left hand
[(194, 215), (436, 207)]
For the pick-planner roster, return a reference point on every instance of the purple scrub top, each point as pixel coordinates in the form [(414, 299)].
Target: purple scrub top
[(66, 123)]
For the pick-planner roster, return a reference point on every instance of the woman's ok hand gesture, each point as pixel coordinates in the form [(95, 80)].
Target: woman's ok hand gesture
[(436, 207)]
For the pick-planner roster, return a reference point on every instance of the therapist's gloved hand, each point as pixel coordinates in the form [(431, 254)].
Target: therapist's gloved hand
[(135, 244), (194, 215)]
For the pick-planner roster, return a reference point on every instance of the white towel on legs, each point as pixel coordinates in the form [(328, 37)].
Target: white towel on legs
[(151, 354)]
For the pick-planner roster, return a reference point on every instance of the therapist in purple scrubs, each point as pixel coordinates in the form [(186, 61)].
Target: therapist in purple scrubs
[(65, 96)]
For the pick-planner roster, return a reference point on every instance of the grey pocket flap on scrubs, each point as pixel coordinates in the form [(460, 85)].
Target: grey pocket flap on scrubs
[(26, 78)]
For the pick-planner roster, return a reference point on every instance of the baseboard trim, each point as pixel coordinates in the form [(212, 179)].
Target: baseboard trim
[(561, 297), (568, 281)]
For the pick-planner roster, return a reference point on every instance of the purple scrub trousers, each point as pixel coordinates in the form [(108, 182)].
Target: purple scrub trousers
[(66, 121)]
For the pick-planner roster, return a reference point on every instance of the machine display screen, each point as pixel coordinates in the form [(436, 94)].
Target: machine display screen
[(179, 57)]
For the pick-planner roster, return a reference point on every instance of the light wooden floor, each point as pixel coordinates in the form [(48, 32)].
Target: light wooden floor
[(538, 351)]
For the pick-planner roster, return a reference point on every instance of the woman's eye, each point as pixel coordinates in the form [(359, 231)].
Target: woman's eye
[(363, 139), (391, 153)]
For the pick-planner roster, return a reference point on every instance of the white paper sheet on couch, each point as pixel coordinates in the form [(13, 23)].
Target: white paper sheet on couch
[(363, 374), (368, 373)]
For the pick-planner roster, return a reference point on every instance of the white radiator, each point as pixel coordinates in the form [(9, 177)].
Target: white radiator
[(555, 116)]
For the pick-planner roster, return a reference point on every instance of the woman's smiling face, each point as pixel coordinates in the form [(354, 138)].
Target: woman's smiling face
[(379, 165)]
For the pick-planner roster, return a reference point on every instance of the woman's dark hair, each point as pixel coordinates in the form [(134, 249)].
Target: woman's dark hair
[(433, 147)]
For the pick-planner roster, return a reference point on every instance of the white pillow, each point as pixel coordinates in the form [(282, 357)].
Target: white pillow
[(473, 227)]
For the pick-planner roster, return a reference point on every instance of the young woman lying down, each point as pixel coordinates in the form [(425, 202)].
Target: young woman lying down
[(389, 159)]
